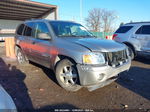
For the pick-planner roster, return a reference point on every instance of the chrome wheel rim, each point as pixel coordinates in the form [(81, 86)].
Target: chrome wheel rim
[(68, 75), (131, 53), (20, 57)]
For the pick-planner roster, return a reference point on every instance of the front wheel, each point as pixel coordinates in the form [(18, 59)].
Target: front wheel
[(67, 75)]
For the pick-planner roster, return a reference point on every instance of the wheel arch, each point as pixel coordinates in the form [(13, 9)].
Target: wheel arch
[(60, 57), (16, 48), (131, 46), (19, 47)]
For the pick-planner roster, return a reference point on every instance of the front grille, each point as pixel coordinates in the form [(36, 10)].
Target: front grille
[(116, 58)]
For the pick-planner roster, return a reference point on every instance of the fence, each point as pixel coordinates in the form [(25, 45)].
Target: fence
[(102, 34)]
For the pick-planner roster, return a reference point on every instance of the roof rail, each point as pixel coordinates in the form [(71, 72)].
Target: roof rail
[(138, 22)]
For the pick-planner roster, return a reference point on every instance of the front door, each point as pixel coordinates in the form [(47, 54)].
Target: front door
[(40, 48)]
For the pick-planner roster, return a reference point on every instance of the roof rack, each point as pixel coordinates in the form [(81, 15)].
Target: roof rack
[(138, 22)]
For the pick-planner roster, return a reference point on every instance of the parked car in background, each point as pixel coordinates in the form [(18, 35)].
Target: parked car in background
[(76, 56), (6, 102), (136, 36)]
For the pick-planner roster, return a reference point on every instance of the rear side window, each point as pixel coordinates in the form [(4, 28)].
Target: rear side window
[(28, 29), (123, 29), (20, 29), (145, 29), (139, 31)]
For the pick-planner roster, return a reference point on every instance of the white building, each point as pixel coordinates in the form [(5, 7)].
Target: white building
[(14, 12)]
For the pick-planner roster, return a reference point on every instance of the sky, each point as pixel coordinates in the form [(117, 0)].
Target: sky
[(126, 10)]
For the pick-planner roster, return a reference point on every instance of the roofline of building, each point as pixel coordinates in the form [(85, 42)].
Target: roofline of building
[(25, 9), (37, 3)]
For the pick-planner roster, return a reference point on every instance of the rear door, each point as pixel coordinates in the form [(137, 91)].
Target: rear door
[(143, 35), (20, 39), (27, 34)]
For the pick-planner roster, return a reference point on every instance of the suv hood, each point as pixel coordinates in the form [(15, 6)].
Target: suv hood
[(94, 44)]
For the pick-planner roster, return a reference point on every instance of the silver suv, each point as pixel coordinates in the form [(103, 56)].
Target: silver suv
[(74, 54), (136, 36)]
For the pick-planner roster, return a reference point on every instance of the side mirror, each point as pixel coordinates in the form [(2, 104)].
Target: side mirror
[(44, 36)]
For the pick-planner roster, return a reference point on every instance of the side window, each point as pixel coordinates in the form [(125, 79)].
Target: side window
[(124, 29), (146, 29), (40, 27), (139, 30), (20, 29), (28, 29)]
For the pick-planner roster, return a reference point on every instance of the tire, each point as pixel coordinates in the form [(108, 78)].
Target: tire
[(21, 57), (67, 75), (131, 52)]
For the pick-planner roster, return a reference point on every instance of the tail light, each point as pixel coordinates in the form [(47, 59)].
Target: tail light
[(114, 36), (106, 37), (111, 37)]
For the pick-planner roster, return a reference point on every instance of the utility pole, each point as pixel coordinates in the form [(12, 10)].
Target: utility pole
[(81, 18)]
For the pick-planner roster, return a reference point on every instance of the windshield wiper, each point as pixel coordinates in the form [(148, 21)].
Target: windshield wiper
[(68, 36), (87, 36), (83, 36)]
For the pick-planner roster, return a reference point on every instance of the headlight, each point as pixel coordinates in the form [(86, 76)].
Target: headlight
[(94, 58)]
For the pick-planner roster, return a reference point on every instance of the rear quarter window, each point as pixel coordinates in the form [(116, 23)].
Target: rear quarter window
[(20, 29), (124, 29)]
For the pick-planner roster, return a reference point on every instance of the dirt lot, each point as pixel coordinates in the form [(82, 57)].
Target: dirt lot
[(34, 87)]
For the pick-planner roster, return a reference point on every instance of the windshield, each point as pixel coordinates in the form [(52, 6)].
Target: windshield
[(69, 29)]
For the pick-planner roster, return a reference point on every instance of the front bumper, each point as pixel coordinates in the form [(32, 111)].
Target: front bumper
[(99, 76)]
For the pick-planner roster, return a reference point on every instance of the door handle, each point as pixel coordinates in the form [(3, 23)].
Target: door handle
[(134, 37), (33, 42), (45, 55)]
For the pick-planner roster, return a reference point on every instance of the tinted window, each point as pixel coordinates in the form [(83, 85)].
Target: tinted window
[(146, 29), (40, 28), (20, 29), (28, 29), (123, 29), (139, 31)]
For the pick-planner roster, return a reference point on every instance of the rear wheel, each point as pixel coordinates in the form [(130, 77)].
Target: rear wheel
[(21, 57), (67, 75), (131, 52)]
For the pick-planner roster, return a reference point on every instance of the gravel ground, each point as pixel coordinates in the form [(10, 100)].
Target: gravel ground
[(34, 87)]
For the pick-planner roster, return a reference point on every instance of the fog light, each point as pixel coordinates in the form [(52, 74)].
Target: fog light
[(101, 76)]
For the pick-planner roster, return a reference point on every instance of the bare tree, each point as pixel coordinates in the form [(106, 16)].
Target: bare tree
[(93, 21), (100, 20), (108, 18)]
